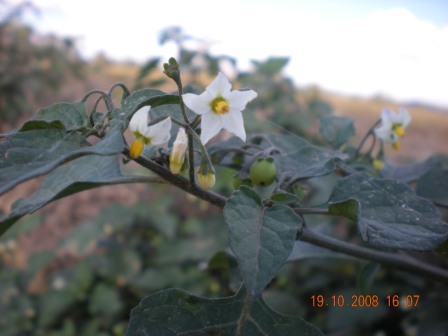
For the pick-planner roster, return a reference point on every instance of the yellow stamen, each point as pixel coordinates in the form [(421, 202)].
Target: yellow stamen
[(396, 145), (399, 130), (136, 149), (219, 105)]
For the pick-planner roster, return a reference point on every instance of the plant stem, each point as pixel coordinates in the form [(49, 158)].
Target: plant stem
[(369, 132), (180, 182), (392, 260)]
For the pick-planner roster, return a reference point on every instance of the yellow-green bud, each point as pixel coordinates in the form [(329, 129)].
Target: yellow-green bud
[(177, 155), (206, 181), (378, 164)]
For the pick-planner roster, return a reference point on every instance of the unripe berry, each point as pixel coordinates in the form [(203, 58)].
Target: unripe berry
[(263, 171)]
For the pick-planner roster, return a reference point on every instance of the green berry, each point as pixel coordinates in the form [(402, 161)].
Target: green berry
[(263, 171)]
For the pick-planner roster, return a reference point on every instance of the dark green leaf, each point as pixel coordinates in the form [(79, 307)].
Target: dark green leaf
[(301, 160), (73, 116), (80, 174), (25, 155), (348, 209), (389, 214), (175, 312), (284, 198), (434, 186), (138, 99), (411, 172), (303, 250), (261, 237), (336, 130), (367, 275), (104, 301)]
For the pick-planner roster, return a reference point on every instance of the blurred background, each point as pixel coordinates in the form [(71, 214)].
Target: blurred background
[(80, 264)]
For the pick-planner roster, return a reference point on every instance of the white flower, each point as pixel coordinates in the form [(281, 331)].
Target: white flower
[(157, 134), (393, 126), (220, 108)]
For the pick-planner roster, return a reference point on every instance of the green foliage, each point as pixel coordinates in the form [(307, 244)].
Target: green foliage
[(389, 214), (175, 312), (336, 130), (261, 237)]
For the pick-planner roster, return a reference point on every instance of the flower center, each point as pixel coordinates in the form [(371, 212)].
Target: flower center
[(399, 130), (140, 137), (219, 105)]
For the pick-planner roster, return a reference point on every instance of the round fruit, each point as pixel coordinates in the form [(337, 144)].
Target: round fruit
[(263, 171)]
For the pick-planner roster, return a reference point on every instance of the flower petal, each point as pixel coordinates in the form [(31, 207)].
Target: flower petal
[(388, 117), (160, 132), (219, 87), (139, 121), (233, 122), (199, 104), (211, 124), (238, 99), (405, 117), (386, 134)]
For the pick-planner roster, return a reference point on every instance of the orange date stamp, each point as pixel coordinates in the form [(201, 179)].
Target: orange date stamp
[(358, 300)]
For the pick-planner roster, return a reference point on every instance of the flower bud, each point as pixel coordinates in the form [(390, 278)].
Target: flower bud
[(378, 164), (206, 181), (171, 69), (177, 155)]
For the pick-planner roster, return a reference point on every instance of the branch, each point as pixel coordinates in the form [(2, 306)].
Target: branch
[(390, 260), (180, 182), (396, 261)]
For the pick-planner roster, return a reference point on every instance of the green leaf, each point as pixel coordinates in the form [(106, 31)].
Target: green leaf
[(272, 65), (411, 172), (36, 152), (303, 250), (81, 174), (105, 301), (175, 312), (367, 275), (434, 186), (73, 116), (336, 130), (283, 197), (301, 160), (388, 213), (138, 99), (261, 237)]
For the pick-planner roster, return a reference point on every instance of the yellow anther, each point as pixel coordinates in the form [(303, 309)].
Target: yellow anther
[(399, 130), (136, 149), (396, 145), (220, 106)]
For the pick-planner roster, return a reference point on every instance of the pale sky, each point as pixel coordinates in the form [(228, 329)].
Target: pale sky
[(391, 47)]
